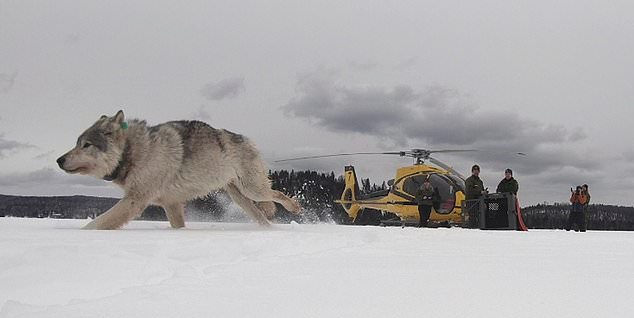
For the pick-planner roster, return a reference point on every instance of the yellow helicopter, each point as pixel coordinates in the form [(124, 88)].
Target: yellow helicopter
[(397, 204)]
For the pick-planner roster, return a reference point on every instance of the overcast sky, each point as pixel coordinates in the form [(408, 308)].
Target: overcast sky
[(553, 79)]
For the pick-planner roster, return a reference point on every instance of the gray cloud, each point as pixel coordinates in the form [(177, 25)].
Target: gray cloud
[(577, 135), (341, 109), (226, 88), (72, 39), (357, 66), (405, 64), (435, 117), (628, 155), (7, 146), (567, 177), (7, 81)]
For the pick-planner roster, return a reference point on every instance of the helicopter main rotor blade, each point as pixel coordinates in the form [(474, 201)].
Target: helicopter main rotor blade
[(468, 150), (452, 150), (341, 155), (446, 167)]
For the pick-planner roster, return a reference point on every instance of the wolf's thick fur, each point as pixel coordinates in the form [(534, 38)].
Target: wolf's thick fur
[(170, 164)]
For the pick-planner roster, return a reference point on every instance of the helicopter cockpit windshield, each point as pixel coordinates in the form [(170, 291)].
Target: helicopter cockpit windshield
[(445, 186)]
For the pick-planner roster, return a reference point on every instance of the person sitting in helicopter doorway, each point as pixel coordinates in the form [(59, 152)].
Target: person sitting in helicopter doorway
[(584, 191), (474, 187), (508, 184), (425, 197), (575, 219)]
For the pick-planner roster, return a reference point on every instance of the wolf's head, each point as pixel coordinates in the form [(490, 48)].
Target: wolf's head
[(98, 149)]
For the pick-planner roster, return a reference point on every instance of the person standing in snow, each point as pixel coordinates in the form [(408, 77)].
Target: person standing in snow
[(584, 190), (508, 184), (474, 187), (425, 197), (575, 219), (474, 190)]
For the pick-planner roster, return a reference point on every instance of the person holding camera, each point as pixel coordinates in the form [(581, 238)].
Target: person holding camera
[(576, 217), (425, 196), (584, 190)]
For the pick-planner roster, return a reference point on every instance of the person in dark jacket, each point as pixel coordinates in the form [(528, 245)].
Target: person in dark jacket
[(474, 187), (425, 197), (508, 184)]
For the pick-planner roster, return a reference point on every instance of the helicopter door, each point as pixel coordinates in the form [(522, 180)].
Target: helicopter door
[(445, 187), (447, 192)]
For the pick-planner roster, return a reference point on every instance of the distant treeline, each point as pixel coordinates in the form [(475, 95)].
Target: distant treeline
[(599, 217), (64, 207), (315, 191)]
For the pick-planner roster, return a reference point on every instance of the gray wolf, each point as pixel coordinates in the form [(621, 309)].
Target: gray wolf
[(170, 164)]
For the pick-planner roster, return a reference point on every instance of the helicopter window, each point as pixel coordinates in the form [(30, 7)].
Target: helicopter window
[(445, 187), (412, 184)]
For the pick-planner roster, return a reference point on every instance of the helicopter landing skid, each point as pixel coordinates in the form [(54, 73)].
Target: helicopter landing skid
[(414, 223)]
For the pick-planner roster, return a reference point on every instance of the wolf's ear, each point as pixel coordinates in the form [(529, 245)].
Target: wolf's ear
[(119, 117)]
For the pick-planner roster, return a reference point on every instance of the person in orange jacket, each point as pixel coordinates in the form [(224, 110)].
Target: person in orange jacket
[(584, 191), (576, 219)]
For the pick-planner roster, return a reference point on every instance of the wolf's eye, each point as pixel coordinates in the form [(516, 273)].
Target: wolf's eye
[(86, 145), (107, 133)]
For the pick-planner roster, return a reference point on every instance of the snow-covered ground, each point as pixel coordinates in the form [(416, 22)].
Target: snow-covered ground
[(50, 268)]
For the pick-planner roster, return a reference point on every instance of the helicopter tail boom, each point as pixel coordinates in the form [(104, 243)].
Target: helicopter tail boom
[(352, 184), (351, 192)]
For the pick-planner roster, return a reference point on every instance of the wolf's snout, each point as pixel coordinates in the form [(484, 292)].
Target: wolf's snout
[(60, 161)]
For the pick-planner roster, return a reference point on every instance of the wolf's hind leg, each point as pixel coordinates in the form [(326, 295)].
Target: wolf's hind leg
[(121, 213), (262, 192), (246, 204), (288, 203), (175, 214), (268, 207)]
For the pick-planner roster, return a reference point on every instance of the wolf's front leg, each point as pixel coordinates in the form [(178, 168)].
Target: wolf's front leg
[(121, 213)]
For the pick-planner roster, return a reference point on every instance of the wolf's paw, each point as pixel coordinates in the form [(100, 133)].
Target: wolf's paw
[(264, 223), (94, 225), (295, 207), (90, 226), (268, 208)]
